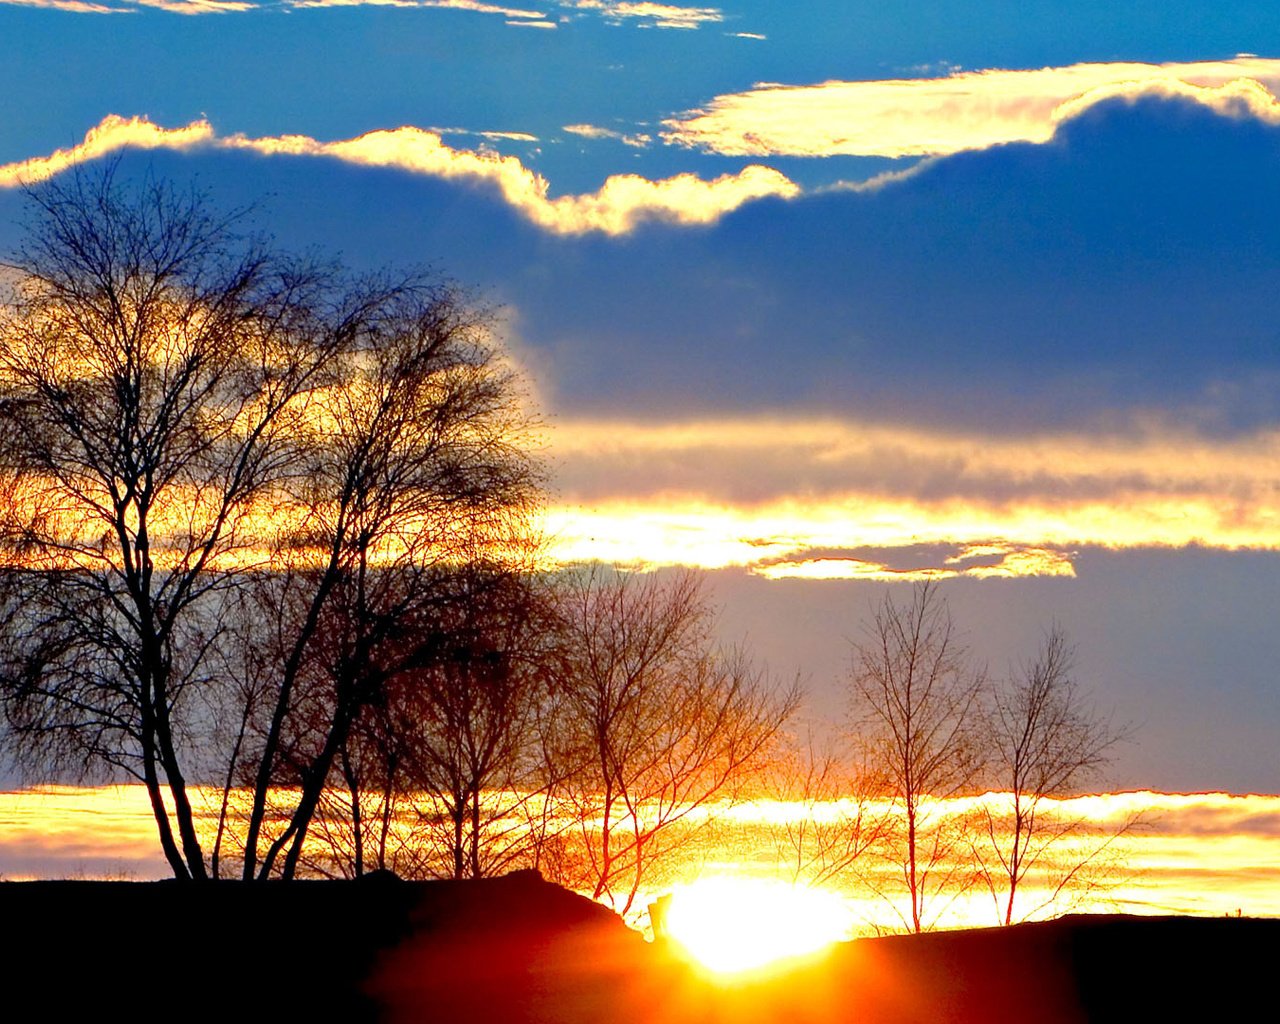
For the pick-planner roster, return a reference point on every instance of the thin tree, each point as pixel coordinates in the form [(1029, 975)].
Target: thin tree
[(1045, 741), (656, 724), (150, 359), (916, 697), (834, 814)]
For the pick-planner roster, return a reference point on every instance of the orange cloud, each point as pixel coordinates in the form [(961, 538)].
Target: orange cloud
[(964, 110), (1002, 561), (622, 202), (802, 498)]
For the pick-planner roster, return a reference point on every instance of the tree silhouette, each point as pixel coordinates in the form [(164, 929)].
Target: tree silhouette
[(837, 815), (149, 363), (184, 416), (411, 490)]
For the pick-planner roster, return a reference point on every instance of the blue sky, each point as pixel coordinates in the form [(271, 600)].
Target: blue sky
[(812, 296)]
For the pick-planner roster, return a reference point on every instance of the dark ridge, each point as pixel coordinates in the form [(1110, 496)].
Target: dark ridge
[(519, 949)]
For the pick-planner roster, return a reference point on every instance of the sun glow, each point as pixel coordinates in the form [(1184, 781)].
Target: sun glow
[(732, 925)]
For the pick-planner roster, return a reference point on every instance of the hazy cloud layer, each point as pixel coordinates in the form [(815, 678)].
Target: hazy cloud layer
[(621, 203), (964, 110), (133, 6)]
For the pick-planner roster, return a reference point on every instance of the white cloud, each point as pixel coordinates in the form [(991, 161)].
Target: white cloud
[(492, 135), (111, 134), (621, 203), (964, 110), (517, 15), (132, 6), (657, 15), (591, 131)]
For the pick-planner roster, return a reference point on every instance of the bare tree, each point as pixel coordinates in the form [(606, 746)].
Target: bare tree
[(412, 491), (184, 415), (836, 814), (150, 360), (1044, 742), (656, 724), (917, 698)]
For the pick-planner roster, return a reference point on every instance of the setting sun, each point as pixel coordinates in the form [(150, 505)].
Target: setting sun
[(733, 924)]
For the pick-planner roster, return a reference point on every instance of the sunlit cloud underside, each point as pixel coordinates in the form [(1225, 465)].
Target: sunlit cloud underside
[(802, 498), (621, 203), (965, 110)]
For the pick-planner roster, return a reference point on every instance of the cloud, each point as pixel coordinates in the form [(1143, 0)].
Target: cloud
[(615, 12), (132, 6), (621, 204), (1206, 853), (798, 499), (657, 15), (76, 6), (964, 110), (997, 561), (591, 131), (494, 136), (518, 14), (111, 134)]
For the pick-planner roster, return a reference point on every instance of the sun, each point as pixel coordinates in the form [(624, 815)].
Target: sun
[(730, 925)]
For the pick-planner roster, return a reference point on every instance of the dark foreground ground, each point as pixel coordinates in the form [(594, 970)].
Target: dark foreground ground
[(518, 949)]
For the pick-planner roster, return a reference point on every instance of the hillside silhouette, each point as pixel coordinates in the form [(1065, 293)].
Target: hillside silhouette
[(519, 949)]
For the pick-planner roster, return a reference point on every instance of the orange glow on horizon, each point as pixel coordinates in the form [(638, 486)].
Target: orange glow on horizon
[(1197, 853)]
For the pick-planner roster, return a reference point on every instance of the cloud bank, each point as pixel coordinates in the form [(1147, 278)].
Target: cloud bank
[(965, 110)]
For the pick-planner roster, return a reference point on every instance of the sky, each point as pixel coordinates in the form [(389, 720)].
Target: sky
[(816, 298)]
